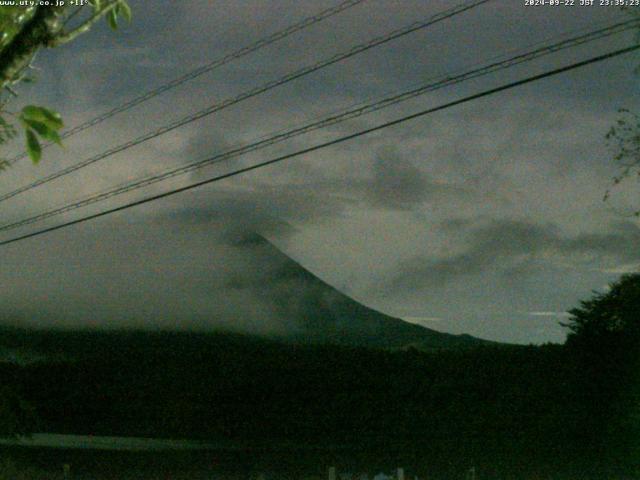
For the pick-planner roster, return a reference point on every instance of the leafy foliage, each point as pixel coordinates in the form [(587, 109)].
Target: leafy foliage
[(7, 131), (604, 340), (40, 121), (24, 31), (12, 18), (615, 313), (624, 139), (624, 136)]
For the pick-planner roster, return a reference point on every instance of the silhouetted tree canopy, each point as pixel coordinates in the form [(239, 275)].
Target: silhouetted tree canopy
[(17, 416), (604, 341), (610, 316)]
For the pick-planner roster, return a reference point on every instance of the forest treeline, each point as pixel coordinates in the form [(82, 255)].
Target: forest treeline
[(530, 404), (572, 406)]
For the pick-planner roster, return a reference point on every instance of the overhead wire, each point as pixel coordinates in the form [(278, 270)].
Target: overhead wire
[(358, 111), (195, 73), (336, 141), (395, 34)]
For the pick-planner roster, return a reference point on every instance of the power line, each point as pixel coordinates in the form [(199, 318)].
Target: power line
[(320, 146), (251, 93), (331, 120), (195, 73)]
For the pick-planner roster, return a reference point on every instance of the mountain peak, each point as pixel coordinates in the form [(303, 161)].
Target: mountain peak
[(317, 312)]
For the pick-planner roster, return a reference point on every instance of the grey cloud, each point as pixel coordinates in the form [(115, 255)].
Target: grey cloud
[(623, 243), (518, 247), (388, 181), (398, 183), (183, 274), (533, 153)]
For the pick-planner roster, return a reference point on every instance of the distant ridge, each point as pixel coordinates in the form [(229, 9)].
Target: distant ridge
[(302, 308)]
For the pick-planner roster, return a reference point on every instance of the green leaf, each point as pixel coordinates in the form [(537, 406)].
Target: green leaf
[(125, 10), (44, 131), (54, 137), (33, 146), (112, 19), (43, 115)]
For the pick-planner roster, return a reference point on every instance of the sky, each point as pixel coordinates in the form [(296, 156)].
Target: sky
[(486, 218)]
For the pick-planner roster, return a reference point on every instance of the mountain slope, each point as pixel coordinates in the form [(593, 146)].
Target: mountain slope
[(259, 290), (316, 312)]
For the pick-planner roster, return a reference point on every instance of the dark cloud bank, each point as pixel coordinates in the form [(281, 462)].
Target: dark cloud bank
[(514, 244)]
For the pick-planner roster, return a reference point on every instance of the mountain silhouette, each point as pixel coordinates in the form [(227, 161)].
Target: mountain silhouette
[(263, 293), (316, 312)]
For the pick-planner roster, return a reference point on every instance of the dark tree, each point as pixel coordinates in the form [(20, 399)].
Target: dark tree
[(604, 343), (611, 317), (17, 416)]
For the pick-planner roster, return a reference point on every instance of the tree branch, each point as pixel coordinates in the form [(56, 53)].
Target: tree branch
[(38, 32), (86, 25)]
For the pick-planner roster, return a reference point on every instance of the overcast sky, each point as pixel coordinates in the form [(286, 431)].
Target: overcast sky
[(486, 218)]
